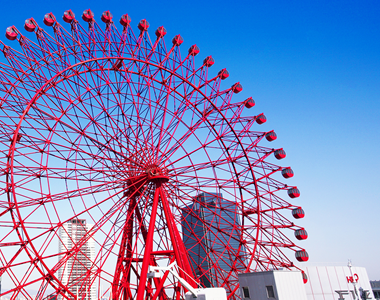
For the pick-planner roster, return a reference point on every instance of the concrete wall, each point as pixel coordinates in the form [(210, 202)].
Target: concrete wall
[(287, 285)]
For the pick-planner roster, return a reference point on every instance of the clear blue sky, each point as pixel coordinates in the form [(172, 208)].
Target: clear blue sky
[(313, 68)]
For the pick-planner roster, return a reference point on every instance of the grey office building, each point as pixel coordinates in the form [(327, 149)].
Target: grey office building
[(212, 225)]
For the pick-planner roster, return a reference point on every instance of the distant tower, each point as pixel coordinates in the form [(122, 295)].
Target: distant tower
[(78, 265), (210, 225)]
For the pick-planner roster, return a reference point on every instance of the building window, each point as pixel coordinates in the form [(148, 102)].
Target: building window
[(245, 292), (270, 291)]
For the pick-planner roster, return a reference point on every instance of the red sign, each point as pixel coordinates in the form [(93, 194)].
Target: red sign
[(352, 278)]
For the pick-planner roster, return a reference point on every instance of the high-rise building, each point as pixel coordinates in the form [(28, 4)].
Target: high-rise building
[(75, 272), (375, 285), (211, 235)]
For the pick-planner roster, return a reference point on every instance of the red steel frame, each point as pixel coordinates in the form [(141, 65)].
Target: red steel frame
[(122, 131)]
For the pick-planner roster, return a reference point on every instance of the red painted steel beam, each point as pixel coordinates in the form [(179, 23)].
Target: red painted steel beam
[(148, 246)]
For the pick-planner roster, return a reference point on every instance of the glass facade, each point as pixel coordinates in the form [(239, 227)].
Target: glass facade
[(211, 235)]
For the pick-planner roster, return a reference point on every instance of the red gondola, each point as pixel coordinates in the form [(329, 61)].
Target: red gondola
[(68, 16), (280, 153), (237, 88), (261, 119), (106, 17), (300, 234), (160, 32), (29, 25), (49, 19), (88, 15), (287, 173), (125, 20), (177, 40), (11, 33), (271, 136), (249, 103), (294, 192), (298, 213), (304, 277), (193, 50), (301, 255), (208, 61), (223, 74), (143, 25)]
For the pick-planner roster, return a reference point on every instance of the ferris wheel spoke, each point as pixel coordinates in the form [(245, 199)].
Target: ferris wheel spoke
[(68, 148), (23, 285), (93, 140), (13, 260), (84, 161), (75, 193), (139, 118), (201, 147), (168, 153)]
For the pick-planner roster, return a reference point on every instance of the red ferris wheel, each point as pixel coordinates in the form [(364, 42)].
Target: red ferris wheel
[(119, 153)]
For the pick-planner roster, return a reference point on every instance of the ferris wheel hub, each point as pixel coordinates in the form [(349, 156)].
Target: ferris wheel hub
[(157, 174)]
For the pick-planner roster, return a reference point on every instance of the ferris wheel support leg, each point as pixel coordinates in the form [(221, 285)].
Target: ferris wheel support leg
[(159, 290), (126, 245), (233, 291), (157, 281), (178, 293), (178, 246), (148, 245)]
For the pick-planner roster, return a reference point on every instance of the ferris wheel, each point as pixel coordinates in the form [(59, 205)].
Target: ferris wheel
[(119, 152)]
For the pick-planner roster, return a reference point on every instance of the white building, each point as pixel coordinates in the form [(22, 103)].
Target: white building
[(324, 283), (74, 272), (278, 284), (332, 283)]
